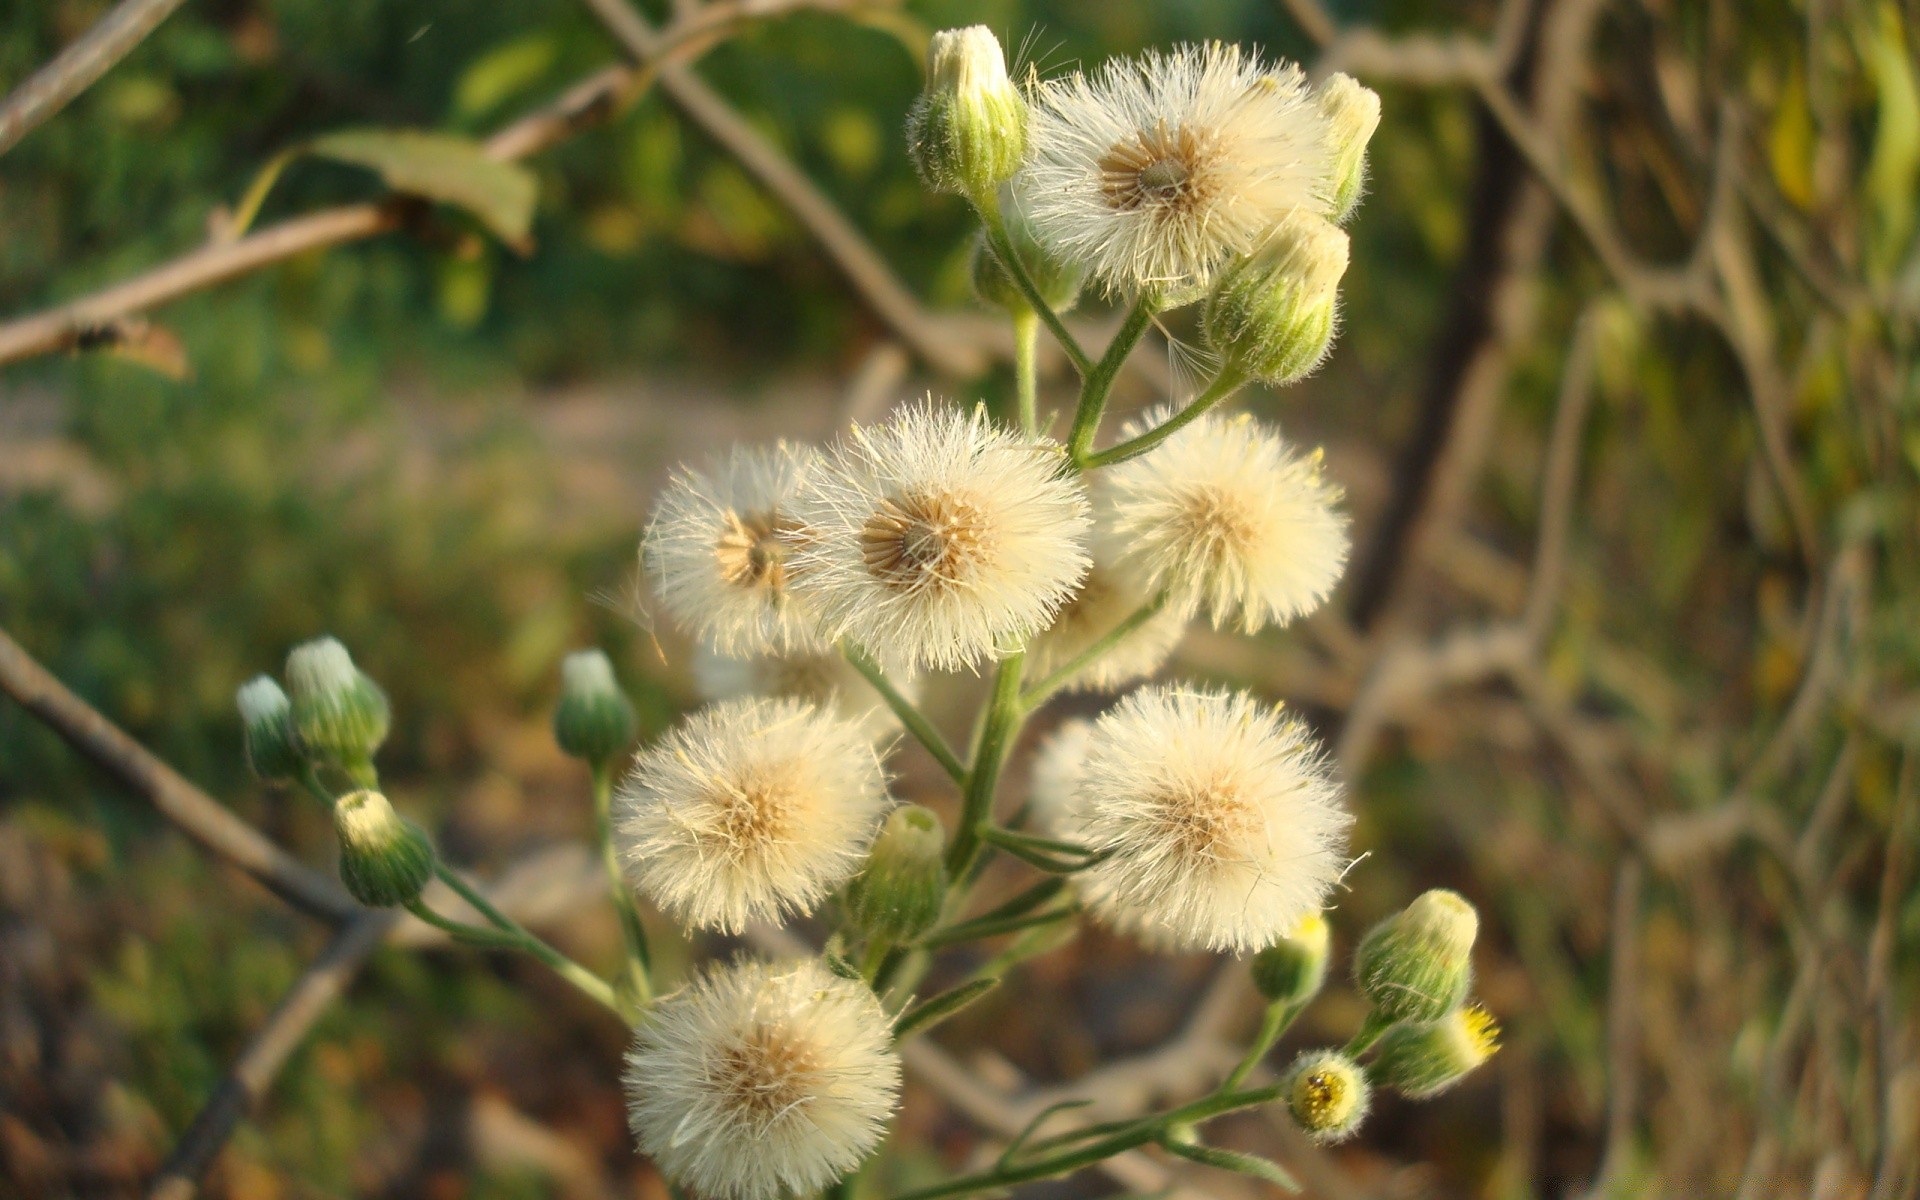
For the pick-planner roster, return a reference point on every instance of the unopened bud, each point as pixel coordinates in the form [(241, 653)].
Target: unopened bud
[(266, 722), (1416, 964), (339, 713), (1426, 1058), (1057, 280), (594, 720), (385, 859), (968, 131), (1352, 113), (1327, 1093), (1292, 969), (899, 895), (1272, 314)]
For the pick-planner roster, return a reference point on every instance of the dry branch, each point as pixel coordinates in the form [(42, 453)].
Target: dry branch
[(75, 69)]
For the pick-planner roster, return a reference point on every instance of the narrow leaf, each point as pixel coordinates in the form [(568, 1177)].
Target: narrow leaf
[(1264, 1169), (444, 167), (932, 1011), (1032, 1127)]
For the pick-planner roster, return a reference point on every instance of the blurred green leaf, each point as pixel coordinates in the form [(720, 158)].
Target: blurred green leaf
[(444, 167), (504, 72)]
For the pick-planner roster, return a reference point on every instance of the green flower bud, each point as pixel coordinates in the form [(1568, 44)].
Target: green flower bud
[(340, 715), (1272, 314), (594, 720), (1416, 964), (1327, 1093), (1352, 113), (899, 894), (385, 859), (968, 131), (266, 721), (1426, 1058), (1057, 281), (1292, 969)]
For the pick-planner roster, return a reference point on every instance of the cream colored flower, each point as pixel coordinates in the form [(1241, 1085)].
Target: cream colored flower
[(750, 808), (1220, 820), (1156, 172), (823, 677), (760, 1081), (937, 536), (718, 548), (1228, 518)]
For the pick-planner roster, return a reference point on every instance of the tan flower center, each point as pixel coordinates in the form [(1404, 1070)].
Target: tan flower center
[(1215, 524), (750, 817), (1204, 823), (767, 1073), (1159, 168), (752, 549), (917, 542)]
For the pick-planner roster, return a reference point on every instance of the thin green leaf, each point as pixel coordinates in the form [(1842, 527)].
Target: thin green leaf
[(932, 1011), (1032, 1127), (444, 167), (971, 931), (1264, 1169)]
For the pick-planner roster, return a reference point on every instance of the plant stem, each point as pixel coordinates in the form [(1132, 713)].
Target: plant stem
[(1026, 379), (1224, 384), (996, 229), (569, 970), (1273, 1023), (638, 960), (1037, 695), (1098, 383), (1370, 1031), (1002, 721), (915, 721)]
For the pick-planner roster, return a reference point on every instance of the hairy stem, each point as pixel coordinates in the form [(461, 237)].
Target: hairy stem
[(912, 718), (1002, 247), (589, 983), (1273, 1023), (1026, 337), (1037, 695), (1097, 384), (1002, 722), (639, 961), (1229, 381)]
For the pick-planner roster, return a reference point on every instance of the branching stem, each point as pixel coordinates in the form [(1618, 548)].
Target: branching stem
[(912, 718), (1097, 384), (1229, 381)]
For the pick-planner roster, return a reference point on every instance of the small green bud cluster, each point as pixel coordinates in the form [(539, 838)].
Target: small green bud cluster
[(1421, 1059), (1292, 970), (1272, 315), (967, 133), (385, 859), (594, 720), (340, 715), (1417, 964), (1327, 1094), (1352, 113), (266, 720), (898, 896)]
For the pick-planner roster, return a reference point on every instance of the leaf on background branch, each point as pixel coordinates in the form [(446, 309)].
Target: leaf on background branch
[(142, 342), (445, 167)]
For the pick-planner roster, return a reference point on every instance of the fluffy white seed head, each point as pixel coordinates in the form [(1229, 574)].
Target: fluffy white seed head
[(1158, 171), (1228, 518), (823, 677), (718, 550), (1220, 819), (750, 808), (1106, 599), (937, 535), (760, 1081), (1054, 782)]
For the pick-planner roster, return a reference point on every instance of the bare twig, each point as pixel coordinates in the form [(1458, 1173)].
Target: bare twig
[(75, 69), (198, 815), (1623, 1025)]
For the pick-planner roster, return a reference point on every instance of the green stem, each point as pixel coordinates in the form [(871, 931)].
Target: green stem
[(569, 970), (459, 931), (635, 933), (1026, 378), (1225, 384), (310, 779), (915, 721), (996, 228), (1002, 721), (873, 960), (1272, 1024), (1370, 1031), (1098, 383), (1037, 695)]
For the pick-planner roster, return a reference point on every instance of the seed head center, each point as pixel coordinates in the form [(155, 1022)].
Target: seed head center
[(1155, 168), (752, 550), (915, 542), (767, 1072)]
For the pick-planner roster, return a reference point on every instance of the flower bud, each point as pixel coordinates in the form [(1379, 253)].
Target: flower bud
[(341, 716), (1057, 280), (1416, 964), (899, 894), (1292, 969), (1352, 113), (1272, 314), (385, 859), (594, 720), (266, 722), (968, 131), (1426, 1058), (1327, 1093)]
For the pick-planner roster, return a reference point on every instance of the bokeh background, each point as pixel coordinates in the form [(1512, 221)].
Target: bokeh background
[(1649, 701)]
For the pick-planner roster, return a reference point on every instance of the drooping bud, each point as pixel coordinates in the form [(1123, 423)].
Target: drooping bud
[(266, 722), (1292, 969), (385, 859), (594, 720), (1416, 964), (1327, 1093), (1423, 1059), (340, 715), (1057, 280), (968, 131), (898, 896), (1272, 314), (1352, 113)]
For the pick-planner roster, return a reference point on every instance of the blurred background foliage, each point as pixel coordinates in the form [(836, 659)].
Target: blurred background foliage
[(441, 451)]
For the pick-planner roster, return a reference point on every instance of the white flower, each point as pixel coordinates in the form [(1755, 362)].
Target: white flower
[(1228, 518), (760, 1081), (1157, 172), (936, 535), (1221, 822), (718, 546), (750, 808), (823, 677), (1105, 600)]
